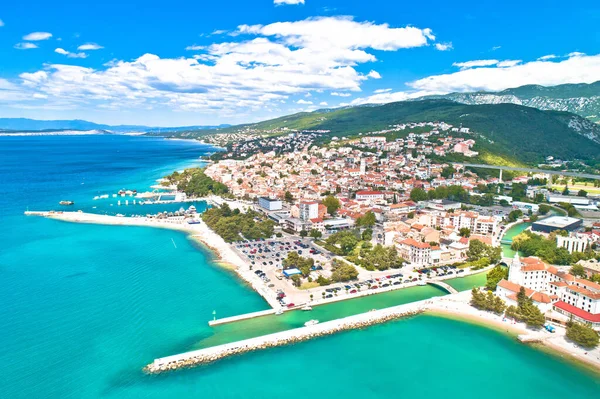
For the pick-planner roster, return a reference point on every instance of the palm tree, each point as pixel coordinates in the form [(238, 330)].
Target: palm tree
[(311, 297)]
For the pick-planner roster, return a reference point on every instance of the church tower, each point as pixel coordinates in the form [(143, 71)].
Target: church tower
[(514, 270)]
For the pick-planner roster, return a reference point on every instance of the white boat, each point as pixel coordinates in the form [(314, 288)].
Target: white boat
[(311, 323), (306, 307), (421, 283), (279, 311)]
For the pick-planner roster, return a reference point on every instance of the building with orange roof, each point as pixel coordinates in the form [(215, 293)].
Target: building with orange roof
[(552, 289)]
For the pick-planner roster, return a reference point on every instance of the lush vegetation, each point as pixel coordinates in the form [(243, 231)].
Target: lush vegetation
[(531, 244), (526, 311), (494, 276), (344, 241), (194, 183), (479, 250), (235, 225), (342, 271), (582, 335), (332, 204), (377, 257), (487, 301), (504, 125)]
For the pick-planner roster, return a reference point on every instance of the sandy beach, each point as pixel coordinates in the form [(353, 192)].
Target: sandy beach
[(457, 307)]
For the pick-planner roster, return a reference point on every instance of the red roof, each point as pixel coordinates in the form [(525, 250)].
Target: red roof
[(594, 318), (369, 193)]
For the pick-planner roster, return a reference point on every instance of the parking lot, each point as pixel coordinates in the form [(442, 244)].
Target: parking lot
[(265, 258)]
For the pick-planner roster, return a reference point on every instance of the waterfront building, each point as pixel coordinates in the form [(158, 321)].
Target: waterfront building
[(418, 253), (552, 290)]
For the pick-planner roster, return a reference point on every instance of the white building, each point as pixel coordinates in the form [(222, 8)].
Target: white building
[(270, 204), (552, 290), (572, 244), (308, 210)]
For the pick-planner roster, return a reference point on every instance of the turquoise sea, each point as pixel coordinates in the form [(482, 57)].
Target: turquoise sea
[(84, 307)]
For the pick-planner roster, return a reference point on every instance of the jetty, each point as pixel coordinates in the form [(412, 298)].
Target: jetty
[(212, 354)]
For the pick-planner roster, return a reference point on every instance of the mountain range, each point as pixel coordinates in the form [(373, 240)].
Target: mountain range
[(581, 99), (33, 125)]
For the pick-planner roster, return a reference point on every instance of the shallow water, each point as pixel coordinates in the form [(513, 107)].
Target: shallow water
[(84, 307)]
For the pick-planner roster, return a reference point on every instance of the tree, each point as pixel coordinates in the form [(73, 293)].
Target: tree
[(503, 202), (367, 235), (494, 276), (447, 172), (464, 232), (288, 197), (418, 194), (514, 215), (531, 315), (478, 250), (303, 233), (332, 204), (582, 335), (343, 271), (539, 197), (578, 270), (566, 191), (314, 233), (544, 209), (582, 193), (366, 220), (296, 280)]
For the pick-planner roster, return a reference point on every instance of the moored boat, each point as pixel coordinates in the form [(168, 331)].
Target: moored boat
[(66, 203), (306, 307), (311, 323)]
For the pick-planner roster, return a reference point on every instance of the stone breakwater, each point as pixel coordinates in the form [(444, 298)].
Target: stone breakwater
[(209, 355)]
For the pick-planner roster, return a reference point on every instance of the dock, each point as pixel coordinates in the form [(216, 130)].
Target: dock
[(212, 354), (244, 316)]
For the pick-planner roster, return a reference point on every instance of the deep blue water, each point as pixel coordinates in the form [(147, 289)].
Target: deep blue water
[(84, 307)]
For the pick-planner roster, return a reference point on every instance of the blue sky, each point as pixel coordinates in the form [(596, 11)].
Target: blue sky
[(207, 62)]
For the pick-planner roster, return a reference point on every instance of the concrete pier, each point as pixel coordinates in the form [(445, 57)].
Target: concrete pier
[(245, 316), (209, 355)]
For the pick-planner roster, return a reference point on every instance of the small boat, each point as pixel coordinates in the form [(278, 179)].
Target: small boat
[(66, 203), (421, 283), (306, 307), (311, 323), (279, 311)]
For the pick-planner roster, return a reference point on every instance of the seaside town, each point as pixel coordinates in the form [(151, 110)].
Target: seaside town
[(309, 224)]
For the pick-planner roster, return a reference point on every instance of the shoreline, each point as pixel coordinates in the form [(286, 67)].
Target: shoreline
[(454, 306), (553, 344)]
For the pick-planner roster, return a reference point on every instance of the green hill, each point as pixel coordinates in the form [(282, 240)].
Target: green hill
[(513, 132)]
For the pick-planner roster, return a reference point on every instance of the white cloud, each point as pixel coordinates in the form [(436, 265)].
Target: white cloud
[(342, 33), (89, 46), (508, 63), (267, 64), (500, 75), (496, 48), (341, 94), (35, 36), (578, 68), (25, 46), (575, 54), (1, 23), (304, 102), (547, 57), (195, 47), (323, 103), (444, 46), (69, 54), (382, 91), (289, 2), (475, 63)]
